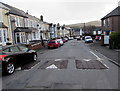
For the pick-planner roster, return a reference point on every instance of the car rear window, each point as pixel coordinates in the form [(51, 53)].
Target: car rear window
[(51, 41), (88, 38)]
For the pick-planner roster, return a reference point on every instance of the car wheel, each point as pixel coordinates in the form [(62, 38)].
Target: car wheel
[(35, 57), (48, 47), (10, 68)]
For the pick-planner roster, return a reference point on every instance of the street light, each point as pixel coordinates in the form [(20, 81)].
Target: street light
[(58, 28), (63, 27), (54, 31)]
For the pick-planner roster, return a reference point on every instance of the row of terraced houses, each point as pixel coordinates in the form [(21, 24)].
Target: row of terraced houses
[(17, 26)]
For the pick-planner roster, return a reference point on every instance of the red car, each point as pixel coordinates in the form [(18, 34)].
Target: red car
[(53, 44), (64, 40)]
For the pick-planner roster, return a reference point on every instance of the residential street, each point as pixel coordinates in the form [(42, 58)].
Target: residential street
[(72, 66)]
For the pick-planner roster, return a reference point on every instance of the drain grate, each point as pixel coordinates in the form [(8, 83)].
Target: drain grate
[(59, 64), (90, 64)]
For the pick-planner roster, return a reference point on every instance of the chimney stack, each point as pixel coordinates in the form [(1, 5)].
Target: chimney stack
[(41, 18), (27, 12)]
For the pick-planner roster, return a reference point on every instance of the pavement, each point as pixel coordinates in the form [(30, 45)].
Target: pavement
[(112, 55)]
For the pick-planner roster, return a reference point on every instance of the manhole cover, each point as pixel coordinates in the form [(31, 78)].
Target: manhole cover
[(56, 64), (89, 64)]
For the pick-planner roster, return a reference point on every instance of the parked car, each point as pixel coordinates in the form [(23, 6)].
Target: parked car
[(98, 38), (53, 44), (60, 41), (88, 39), (64, 40), (78, 38), (14, 56), (70, 38)]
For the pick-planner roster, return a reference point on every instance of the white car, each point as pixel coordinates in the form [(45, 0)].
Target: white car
[(70, 38), (60, 41), (88, 39)]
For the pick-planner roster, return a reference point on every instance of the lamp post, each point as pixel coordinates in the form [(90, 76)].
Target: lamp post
[(58, 30), (51, 32), (63, 27), (54, 30)]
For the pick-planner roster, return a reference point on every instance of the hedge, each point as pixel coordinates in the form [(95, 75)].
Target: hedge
[(115, 36)]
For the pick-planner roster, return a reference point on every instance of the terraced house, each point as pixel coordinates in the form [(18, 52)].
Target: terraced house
[(17, 26), (5, 32), (110, 23), (20, 26)]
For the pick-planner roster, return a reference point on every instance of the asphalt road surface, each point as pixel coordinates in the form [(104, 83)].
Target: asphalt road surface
[(72, 66)]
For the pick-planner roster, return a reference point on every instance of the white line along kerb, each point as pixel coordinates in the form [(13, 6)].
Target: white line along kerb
[(95, 55), (99, 59)]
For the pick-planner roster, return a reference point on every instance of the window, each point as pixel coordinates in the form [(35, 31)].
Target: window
[(23, 48), (5, 36), (22, 37), (0, 16), (0, 36), (52, 42), (34, 34), (20, 22), (17, 21), (14, 49), (103, 22), (108, 21), (7, 50)]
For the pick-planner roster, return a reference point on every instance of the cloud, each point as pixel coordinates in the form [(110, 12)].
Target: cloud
[(65, 11)]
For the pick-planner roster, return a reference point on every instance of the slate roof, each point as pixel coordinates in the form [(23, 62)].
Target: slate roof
[(14, 10), (115, 12), (25, 29), (2, 6)]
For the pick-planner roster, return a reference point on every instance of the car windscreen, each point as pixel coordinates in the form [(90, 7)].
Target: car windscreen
[(88, 38)]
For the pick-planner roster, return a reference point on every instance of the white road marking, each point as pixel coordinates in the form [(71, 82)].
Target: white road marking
[(86, 59), (58, 59), (95, 55), (99, 59), (109, 59), (52, 67), (32, 67)]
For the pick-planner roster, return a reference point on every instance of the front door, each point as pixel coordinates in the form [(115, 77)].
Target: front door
[(17, 38)]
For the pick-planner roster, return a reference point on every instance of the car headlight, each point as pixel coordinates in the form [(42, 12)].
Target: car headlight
[(5, 59)]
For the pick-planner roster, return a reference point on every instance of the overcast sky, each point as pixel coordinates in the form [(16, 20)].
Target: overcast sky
[(66, 11)]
